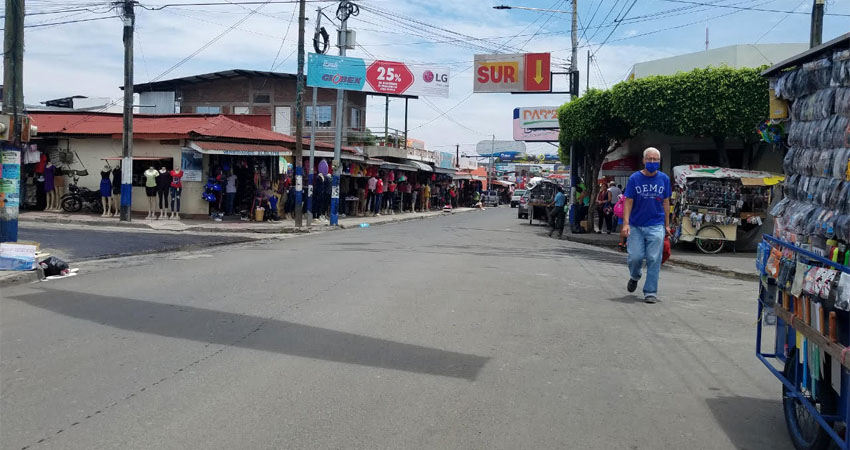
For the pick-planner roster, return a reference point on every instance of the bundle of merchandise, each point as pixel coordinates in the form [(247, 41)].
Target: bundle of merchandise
[(816, 207), (814, 215)]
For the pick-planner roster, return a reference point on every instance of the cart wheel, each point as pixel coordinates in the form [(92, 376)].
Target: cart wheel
[(710, 239), (805, 432)]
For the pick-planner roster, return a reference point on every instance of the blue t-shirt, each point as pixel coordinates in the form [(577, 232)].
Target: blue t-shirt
[(560, 199), (648, 194)]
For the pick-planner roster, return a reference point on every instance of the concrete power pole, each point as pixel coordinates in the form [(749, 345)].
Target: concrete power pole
[(127, 138), (574, 57), (817, 24), (13, 104), (345, 9), (299, 118)]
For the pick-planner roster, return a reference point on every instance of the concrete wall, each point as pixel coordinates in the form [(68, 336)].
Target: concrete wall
[(737, 56), (91, 150)]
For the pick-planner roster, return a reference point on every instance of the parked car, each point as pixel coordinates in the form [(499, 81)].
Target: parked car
[(516, 196), (490, 198), (522, 211)]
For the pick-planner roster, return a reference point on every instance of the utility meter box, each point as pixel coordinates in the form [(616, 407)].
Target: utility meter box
[(347, 39)]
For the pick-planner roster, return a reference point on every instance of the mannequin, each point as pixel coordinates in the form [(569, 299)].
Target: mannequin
[(150, 190), (49, 173), (105, 189), (116, 189), (59, 186), (175, 189), (163, 183)]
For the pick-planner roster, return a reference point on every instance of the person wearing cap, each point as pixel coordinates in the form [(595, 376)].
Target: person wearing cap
[(646, 218)]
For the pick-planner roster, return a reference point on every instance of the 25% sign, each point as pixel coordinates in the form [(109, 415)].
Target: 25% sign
[(389, 77)]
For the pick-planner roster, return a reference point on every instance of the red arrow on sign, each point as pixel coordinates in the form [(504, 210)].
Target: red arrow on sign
[(538, 72), (389, 77)]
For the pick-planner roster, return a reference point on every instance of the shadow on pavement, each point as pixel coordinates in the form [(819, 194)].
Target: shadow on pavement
[(224, 328), (751, 423), (629, 299)]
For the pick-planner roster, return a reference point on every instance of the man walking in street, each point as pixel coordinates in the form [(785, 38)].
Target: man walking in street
[(645, 222), (556, 217)]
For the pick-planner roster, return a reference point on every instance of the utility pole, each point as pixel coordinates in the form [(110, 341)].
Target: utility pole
[(345, 8), (299, 118), (313, 118), (457, 156), (587, 74), (127, 138), (817, 24), (574, 35), (13, 104)]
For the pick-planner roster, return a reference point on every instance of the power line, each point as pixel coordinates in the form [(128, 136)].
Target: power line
[(777, 23), (617, 26), (50, 24), (746, 8), (170, 5)]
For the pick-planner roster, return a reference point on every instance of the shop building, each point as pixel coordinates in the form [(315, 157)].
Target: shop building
[(200, 145), (258, 93)]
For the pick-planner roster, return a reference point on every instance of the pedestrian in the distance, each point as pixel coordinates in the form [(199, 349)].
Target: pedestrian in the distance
[(645, 222), (556, 218)]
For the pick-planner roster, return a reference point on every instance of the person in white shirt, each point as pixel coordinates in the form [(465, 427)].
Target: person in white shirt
[(230, 194)]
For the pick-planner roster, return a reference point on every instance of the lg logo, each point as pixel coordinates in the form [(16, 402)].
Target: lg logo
[(429, 76)]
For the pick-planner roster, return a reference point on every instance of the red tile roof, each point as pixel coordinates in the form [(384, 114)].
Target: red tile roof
[(171, 126)]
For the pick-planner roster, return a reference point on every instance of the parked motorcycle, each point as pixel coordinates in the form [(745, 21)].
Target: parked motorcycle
[(78, 198)]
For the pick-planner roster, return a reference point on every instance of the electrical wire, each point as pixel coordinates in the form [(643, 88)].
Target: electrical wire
[(802, 2), (745, 8), (619, 21)]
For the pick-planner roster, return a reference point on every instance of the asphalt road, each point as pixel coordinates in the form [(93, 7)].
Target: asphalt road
[(76, 244), (464, 332)]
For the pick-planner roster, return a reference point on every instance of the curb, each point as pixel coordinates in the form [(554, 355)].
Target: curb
[(729, 273), (15, 279)]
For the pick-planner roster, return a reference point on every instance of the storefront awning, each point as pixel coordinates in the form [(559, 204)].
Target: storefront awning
[(420, 165), (238, 149), (374, 162), (397, 166), (445, 171)]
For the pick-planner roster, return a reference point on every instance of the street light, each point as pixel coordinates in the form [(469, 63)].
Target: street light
[(531, 9)]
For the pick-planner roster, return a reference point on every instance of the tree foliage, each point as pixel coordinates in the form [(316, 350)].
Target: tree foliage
[(590, 123), (717, 102)]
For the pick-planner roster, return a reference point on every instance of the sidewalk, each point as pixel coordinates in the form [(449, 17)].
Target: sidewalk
[(736, 265), (227, 226)]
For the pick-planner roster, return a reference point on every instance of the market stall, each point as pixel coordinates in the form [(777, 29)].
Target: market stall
[(711, 204), (803, 330)]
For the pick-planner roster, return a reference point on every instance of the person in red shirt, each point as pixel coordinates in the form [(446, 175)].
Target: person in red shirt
[(392, 194), (379, 194)]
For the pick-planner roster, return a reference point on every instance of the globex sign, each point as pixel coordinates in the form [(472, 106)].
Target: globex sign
[(381, 77), (336, 72)]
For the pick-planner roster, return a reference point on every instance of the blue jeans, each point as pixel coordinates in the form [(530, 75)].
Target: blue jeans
[(377, 205), (228, 202), (646, 243)]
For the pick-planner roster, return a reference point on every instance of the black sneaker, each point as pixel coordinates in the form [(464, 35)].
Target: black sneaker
[(650, 299), (632, 285)]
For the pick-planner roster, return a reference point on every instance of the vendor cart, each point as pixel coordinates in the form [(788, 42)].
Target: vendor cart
[(710, 204), (809, 348), (541, 195)]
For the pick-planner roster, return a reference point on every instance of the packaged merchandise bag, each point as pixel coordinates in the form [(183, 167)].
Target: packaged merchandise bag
[(842, 296), (773, 263), (799, 279)]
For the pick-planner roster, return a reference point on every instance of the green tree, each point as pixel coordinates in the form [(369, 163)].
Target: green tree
[(589, 122), (719, 103)]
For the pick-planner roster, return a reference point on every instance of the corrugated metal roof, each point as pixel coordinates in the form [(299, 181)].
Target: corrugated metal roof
[(224, 74), (162, 127), (233, 147)]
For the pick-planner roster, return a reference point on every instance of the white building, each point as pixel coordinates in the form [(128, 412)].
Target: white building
[(735, 56)]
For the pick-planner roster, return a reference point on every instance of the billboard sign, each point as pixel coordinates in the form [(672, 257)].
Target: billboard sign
[(516, 72), (532, 134), (381, 77), (536, 117), (496, 148)]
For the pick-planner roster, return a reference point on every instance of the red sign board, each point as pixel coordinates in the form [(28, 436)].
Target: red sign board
[(389, 77), (538, 73)]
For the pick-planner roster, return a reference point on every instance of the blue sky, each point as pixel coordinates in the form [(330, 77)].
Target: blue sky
[(85, 58)]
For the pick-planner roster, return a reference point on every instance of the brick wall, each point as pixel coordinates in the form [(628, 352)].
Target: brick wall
[(230, 93)]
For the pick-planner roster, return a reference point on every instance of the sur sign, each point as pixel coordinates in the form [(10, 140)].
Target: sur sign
[(538, 117), (518, 72), (382, 77)]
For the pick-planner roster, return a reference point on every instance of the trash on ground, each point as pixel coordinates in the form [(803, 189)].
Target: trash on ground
[(18, 256)]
